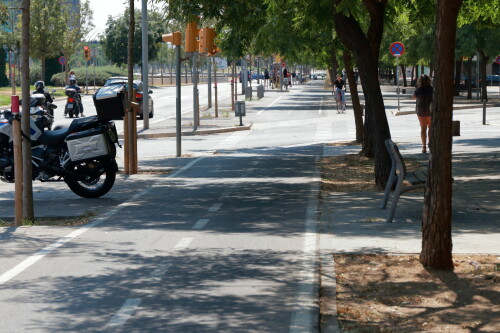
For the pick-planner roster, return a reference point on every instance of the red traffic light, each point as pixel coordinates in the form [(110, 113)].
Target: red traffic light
[(85, 47)]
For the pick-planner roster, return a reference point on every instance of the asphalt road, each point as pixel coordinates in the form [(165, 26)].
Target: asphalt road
[(228, 242)]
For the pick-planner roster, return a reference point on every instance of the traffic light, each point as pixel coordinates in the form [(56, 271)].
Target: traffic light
[(206, 37), (191, 41), (86, 53), (174, 38), (215, 50)]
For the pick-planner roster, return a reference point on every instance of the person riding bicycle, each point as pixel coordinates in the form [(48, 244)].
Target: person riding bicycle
[(340, 89)]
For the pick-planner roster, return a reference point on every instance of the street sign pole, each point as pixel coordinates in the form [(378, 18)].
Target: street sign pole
[(397, 49), (397, 76)]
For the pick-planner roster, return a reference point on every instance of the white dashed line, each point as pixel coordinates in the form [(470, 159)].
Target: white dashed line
[(200, 224), (159, 272), (215, 207), (183, 243), (126, 311)]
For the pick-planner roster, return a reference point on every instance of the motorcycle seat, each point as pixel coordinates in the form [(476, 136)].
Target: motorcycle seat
[(53, 137)]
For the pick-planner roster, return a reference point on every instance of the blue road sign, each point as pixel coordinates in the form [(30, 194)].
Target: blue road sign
[(397, 49), (62, 60)]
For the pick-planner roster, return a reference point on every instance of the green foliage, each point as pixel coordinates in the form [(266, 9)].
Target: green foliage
[(46, 27), (52, 67), (4, 80), (115, 39), (101, 74)]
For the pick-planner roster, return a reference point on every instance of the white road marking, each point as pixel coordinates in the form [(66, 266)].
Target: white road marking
[(183, 243), (159, 272), (25, 264), (305, 307), (215, 207), (200, 224), (126, 311), (321, 106), (277, 99)]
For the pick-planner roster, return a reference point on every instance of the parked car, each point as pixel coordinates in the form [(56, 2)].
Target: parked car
[(254, 76), (139, 87)]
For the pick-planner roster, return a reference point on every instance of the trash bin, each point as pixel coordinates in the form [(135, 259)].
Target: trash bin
[(239, 108), (248, 92), (109, 102), (260, 91)]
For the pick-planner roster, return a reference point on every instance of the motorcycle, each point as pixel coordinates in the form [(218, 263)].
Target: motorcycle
[(82, 155), (73, 103), (42, 110)]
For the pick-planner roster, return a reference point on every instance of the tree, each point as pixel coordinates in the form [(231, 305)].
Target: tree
[(115, 40), (436, 220), (45, 30), (4, 81), (77, 24), (28, 212), (366, 48)]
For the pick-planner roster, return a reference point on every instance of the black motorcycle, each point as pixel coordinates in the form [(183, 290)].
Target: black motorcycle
[(83, 154), (73, 103)]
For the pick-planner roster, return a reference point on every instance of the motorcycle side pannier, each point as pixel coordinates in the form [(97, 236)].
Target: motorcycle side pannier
[(90, 144), (109, 101)]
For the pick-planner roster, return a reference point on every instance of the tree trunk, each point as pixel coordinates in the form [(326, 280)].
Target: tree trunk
[(483, 61), (366, 49), (358, 111), (28, 211), (436, 220), (403, 70), (458, 76), (43, 68), (468, 82)]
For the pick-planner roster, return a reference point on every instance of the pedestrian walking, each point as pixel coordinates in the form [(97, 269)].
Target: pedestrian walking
[(423, 94), (266, 77)]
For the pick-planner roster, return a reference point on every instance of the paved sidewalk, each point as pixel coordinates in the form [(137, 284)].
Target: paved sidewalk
[(359, 225)]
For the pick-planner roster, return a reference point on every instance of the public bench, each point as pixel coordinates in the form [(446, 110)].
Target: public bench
[(398, 176)]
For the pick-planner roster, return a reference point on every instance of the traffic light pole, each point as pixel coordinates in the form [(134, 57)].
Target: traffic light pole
[(178, 98), (196, 105), (87, 75), (209, 83)]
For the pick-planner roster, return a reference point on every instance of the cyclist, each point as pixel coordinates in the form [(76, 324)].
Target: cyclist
[(340, 90)]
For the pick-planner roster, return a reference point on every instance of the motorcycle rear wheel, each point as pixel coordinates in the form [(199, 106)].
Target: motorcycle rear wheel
[(96, 185)]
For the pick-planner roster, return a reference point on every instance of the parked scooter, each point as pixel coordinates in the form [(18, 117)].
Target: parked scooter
[(83, 154)]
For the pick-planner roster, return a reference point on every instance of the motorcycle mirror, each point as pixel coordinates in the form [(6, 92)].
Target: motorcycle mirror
[(150, 92)]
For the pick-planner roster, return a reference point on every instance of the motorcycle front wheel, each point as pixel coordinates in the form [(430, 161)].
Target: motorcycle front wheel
[(93, 178)]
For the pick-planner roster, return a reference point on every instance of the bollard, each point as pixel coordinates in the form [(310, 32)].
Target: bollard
[(260, 91), (248, 93)]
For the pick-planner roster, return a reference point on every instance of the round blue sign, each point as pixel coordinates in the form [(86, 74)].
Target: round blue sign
[(397, 49), (62, 60)]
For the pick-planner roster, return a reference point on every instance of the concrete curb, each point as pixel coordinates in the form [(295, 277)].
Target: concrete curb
[(455, 107), (189, 133)]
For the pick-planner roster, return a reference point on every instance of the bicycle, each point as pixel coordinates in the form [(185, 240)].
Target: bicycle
[(338, 99)]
